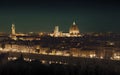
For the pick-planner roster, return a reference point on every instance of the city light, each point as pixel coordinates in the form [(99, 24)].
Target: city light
[(69, 44)]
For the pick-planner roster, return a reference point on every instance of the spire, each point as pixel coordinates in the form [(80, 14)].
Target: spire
[(74, 23)]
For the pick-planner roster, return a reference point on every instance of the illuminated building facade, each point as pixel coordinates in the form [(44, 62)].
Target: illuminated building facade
[(86, 46), (56, 31), (13, 29), (74, 30), (13, 33)]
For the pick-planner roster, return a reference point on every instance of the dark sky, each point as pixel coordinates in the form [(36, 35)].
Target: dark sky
[(37, 16)]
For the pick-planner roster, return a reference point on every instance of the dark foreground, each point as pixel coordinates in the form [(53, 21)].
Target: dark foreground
[(21, 67)]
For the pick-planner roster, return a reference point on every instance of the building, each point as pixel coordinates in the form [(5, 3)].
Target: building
[(13, 33), (56, 31), (74, 30)]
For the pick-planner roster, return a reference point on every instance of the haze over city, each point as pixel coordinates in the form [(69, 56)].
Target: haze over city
[(90, 16)]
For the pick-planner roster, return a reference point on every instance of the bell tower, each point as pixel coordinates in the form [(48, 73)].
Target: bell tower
[(13, 29), (13, 33)]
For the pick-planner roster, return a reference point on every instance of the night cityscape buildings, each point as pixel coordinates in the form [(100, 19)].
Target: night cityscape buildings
[(73, 43), (62, 37), (73, 32)]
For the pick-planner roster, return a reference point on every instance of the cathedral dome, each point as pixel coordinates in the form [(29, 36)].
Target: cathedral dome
[(74, 30)]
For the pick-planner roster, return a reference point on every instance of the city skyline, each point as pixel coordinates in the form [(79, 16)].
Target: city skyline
[(90, 16), (62, 37)]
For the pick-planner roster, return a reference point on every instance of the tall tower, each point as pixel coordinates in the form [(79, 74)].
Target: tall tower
[(13, 29), (56, 31), (13, 33)]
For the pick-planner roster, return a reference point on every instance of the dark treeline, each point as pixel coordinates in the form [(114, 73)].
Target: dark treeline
[(21, 67)]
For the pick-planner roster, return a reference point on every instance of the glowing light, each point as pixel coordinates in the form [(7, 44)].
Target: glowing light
[(12, 58), (59, 53), (74, 23), (92, 55), (43, 61)]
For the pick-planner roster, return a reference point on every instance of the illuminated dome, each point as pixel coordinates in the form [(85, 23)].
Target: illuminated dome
[(74, 30)]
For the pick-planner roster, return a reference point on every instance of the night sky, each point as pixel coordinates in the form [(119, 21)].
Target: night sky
[(37, 16)]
